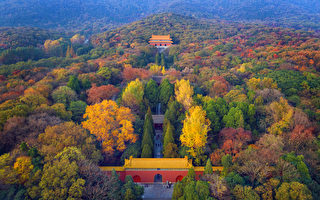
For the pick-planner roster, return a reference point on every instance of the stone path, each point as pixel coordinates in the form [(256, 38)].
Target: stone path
[(158, 144), (157, 191)]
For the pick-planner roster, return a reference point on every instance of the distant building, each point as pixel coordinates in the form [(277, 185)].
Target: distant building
[(161, 41)]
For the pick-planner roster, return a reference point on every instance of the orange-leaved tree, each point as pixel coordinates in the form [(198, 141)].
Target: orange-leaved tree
[(112, 124)]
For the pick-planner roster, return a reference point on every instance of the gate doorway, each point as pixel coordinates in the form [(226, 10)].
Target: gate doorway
[(158, 178)]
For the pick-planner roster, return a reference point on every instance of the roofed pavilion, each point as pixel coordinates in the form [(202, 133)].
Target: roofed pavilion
[(161, 41)]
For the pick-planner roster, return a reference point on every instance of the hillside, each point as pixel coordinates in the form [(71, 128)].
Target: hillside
[(244, 96), (99, 15)]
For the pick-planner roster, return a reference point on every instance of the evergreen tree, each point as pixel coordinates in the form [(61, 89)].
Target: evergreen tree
[(202, 189), (175, 115), (177, 191), (168, 136), (191, 176), (157, 59), (171, 151), (190, 191), (234, 118), (226, 161), (208, 168), (147, 138), (152, 93), (131, 190), (146, 151), (163, 60), (74, 83), (166, 91)]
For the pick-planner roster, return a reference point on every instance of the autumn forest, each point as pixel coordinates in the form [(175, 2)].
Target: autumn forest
[(245, 96)]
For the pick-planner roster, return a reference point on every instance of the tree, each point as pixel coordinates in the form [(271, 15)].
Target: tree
[(130, 74), (68, 134), (202, 189), (234, 179), (282, 114), (60, 180), (146, 151), (226, 161), (191, 176), (33, 98), (147, 138), (133, 95), (245, 192), (177, 191), (234, 140), (168, 136), (184, 92), (111, 124), (131, 190), (98, 94), (64, 94), (157, 59), (171, 151), (234, 118), (163, 60), (194, 131), (152, 93), (208, 168), (217, 185), (175, 115), (190, 191), (98, 186), (267, 190), (78, 108), (294, 191), (166, 91), (74, 83), (24, 167), (298, 162), (301, 138)]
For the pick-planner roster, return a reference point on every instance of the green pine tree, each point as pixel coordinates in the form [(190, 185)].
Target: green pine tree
[(157, 59), (168, 136), (208, 168), (74, 83), (166, 91), (163, 60), (152, 93), (146, 151)]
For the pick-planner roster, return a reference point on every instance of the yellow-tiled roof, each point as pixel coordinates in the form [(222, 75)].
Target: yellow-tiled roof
[(160, 37), (157, 163), (110, 168)]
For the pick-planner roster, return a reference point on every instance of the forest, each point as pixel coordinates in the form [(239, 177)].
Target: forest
[(95, 16), (244, 96)]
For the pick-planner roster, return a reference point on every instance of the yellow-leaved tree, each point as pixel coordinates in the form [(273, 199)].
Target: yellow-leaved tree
[(133, 95), (112, 124), (184, 91), (23, 167), (194, 131), (282, 114)]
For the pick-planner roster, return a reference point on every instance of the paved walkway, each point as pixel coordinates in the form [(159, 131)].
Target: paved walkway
[(158, 144), (157, 192)]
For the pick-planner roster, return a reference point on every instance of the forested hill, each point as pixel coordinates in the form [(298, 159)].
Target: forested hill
[(249, 94), (97, 15)]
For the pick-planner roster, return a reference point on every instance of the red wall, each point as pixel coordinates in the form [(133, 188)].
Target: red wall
[(162, 44), (148, 176)]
